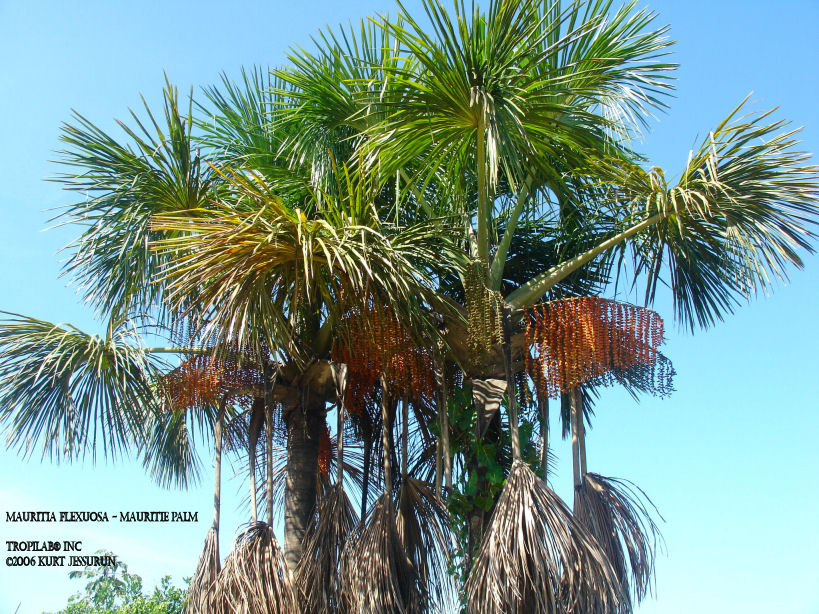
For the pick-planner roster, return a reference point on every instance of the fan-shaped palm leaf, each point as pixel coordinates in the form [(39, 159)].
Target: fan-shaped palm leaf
[(745, 205), (123, 185), (252, 262), (736, 220), (71, 392)]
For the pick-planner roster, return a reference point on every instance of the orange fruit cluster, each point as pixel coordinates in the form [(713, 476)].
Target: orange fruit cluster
[(324, 450), (203, 380), (372, 343), (578, 340)]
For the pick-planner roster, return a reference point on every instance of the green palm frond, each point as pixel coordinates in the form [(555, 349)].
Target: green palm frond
[(237, 123), (169, 452), (476, 73), (68, 391), (256, 261), (732, 226), (243, 125), (121, 186), (612, 60), (333, 95), (745, 206)]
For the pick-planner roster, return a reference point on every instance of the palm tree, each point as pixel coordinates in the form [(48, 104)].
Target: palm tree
[(523, 114), (458, 175)]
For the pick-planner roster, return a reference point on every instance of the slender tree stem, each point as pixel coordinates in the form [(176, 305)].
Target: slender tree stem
[(581, 433), (252, 440), (218, 427), (575, 437), (254, 507), (341, 388), (443, 421), (268, 413), (543, 402), (438, 465), (445, 439), (404, 437), (365, 489), (385, 436)]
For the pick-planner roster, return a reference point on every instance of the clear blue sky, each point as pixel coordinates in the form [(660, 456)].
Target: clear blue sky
[(731, 459)]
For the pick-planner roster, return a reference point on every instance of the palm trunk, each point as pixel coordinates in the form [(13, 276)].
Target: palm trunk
[(304, 422), (268, 413), (487, 395)]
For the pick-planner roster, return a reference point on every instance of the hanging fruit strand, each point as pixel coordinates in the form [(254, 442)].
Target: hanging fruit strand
[(585, 339), (373, 343)]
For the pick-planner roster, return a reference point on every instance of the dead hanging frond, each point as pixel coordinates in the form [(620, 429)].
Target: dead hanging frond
[(423, 526), (204, 596), (535, 557), (255, 579), (618, 515), (378, 575), (319, 572)]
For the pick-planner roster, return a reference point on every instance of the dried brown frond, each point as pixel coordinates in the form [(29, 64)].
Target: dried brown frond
[(319, 572), (617, 514), (378, 576), (203, 594), (255, 579), (423, 526), (535, 557)]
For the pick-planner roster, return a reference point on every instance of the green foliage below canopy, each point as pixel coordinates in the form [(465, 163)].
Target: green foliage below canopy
[(113, 590)]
